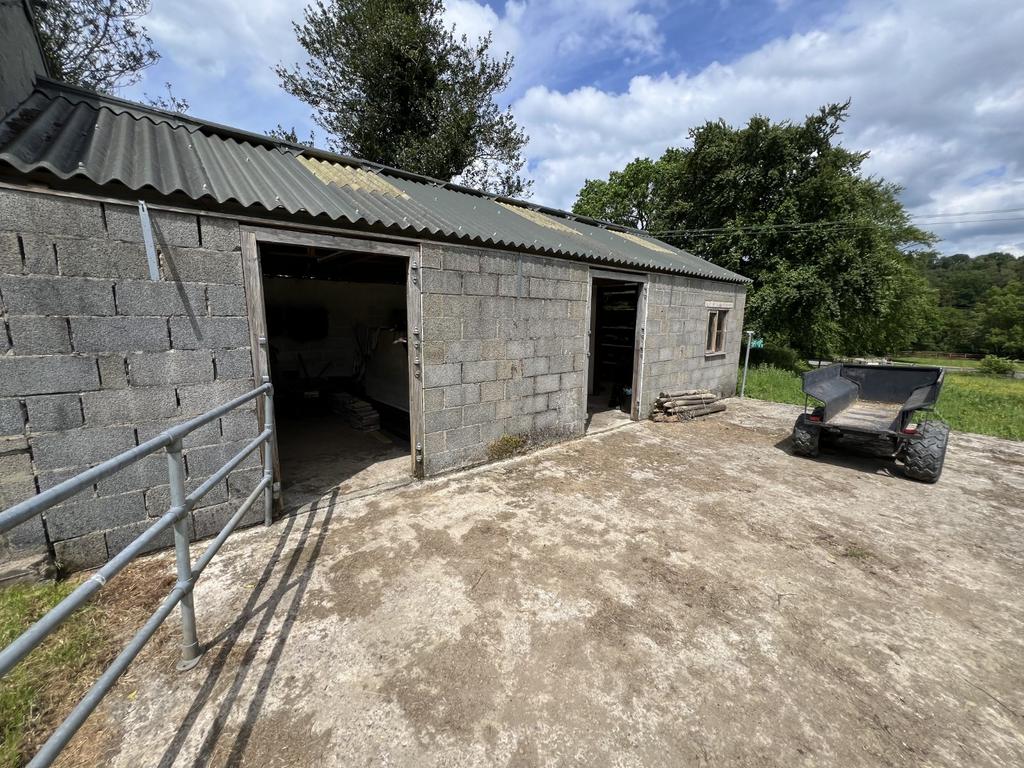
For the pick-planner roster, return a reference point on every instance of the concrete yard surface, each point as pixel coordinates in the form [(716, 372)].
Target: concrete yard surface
[(657, 595)]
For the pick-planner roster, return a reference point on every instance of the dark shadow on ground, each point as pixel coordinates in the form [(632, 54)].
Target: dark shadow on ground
[(321, 453), (849, 457), (291, 579)]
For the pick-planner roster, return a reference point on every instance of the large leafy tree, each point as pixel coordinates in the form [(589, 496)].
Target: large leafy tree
[(96, 44), (786, 205), (391, 83), (999, 319), (626, 198)]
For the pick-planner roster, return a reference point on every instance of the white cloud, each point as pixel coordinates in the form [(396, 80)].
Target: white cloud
[(220, 54), (215, 38), (937, 87), (938, 99), (553, 39)]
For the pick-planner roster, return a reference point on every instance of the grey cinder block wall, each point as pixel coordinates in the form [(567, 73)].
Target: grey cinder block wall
[(674, 348), (504, 351), (96, 358), (505, 345)]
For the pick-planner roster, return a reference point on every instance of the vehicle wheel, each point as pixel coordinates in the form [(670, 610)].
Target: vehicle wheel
[(805, 437), (923, 458)]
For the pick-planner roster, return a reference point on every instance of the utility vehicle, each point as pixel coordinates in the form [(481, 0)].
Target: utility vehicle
[(880, 409)]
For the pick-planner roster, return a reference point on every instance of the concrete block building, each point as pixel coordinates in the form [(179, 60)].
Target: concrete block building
[(412, 323)]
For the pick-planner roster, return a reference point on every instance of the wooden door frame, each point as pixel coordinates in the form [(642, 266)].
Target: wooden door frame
[(256, 310), (414, 346), (639, 334)]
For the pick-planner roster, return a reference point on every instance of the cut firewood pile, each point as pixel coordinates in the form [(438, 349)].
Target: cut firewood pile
[(685, 405), (359, 414)]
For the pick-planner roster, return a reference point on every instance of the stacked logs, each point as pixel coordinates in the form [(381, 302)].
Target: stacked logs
[(686, 404)]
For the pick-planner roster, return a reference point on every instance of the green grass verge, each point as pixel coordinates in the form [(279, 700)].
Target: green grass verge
[(987, 405), (31, 691), (776, 385), (984, 405)]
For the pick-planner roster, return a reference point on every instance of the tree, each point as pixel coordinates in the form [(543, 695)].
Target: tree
[(95, 44), (291, 135), (964, 280), (956, 332), (1000, 320), (168, 103), (390, 83), (626, 198), (786, 205), (964, 284)]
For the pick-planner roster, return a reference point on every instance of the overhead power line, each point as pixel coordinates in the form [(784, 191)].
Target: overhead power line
[(967, 213), (925, 219), (793, 227)]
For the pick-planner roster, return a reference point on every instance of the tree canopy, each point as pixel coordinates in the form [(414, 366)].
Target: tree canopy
[(981, 303), (784, 203), (95, 44), (962, 280), (1000, 320), (390, 83), (626, 198)]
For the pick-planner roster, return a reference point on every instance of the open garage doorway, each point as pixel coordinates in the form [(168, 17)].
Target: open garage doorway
[(338, 344), (615, 348)]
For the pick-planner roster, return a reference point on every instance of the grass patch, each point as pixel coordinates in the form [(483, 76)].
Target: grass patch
[(970, 403), (42, 690), (766, 382), (983, 404), (856, 552), (38, 687), (506, 446)]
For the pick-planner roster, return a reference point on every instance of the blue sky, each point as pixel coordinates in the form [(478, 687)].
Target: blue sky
[(937, 87)]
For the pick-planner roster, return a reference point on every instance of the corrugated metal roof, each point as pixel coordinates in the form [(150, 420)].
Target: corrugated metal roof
[(73, 133)]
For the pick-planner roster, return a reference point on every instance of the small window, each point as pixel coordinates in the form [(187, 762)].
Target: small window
[(716, 332)]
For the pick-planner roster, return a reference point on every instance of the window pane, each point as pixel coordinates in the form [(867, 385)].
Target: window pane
[(710, 341)]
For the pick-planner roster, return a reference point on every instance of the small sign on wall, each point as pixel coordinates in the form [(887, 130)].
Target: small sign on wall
[(718, 305)]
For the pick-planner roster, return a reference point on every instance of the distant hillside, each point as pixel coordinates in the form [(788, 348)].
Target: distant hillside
[(962, 280), (981, 303)]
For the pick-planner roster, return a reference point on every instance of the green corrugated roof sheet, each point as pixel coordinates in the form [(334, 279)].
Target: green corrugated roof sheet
[(73, 133)]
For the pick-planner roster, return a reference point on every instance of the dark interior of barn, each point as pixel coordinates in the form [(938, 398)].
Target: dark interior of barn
[(612, 351), (338, 346)]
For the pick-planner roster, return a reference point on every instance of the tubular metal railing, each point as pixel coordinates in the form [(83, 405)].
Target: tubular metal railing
[(187, 571)]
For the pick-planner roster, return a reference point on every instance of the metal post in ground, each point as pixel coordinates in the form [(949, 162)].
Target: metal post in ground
[(746, 363), (190, 651), (268, 446)]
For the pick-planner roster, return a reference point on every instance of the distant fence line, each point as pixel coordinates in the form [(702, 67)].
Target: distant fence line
[(947, 355)]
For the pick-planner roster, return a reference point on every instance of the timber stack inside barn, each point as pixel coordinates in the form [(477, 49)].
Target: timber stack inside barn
[(411, 322)]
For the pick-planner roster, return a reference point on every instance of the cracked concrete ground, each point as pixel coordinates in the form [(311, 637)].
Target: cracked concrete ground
[(659, 595)]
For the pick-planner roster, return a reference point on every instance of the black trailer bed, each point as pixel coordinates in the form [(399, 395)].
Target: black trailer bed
[(868, 416), (874, 406), (880, 399)]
